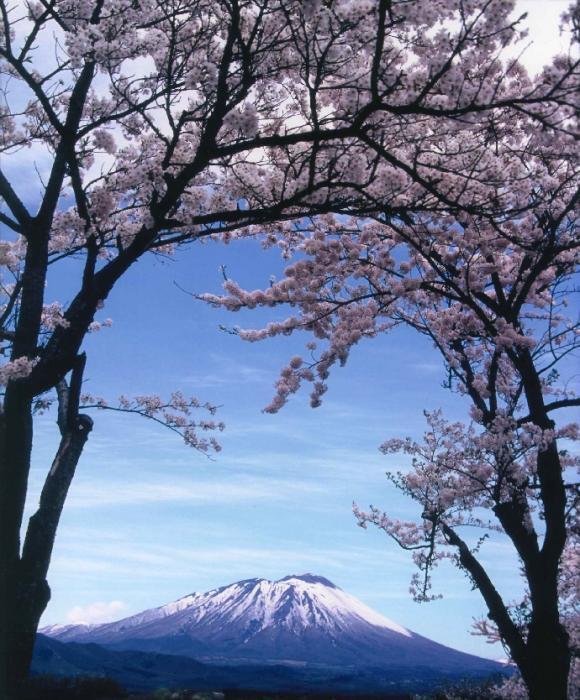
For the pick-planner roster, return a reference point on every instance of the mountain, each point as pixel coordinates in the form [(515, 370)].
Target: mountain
[(296, 621)]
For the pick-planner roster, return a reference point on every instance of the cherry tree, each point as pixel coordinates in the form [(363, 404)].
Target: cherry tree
[(155, 123), (492, 296), (484, 266)]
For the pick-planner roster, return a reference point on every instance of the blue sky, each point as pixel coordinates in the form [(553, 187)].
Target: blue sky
[(149, 520)]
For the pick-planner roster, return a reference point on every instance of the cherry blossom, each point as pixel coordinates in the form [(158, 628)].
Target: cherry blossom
[(175, 413)]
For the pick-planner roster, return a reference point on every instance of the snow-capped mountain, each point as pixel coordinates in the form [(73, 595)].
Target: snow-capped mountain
[(296, 619)]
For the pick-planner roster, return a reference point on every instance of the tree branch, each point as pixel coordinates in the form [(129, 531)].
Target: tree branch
[(553, 406), (42, 526), (14, 202), (495, 605)]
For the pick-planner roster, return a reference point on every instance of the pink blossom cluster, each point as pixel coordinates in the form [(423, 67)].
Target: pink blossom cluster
[(458, 471), (175, 413), (306, 68), (95, 326), (52, 316), (486, 292), (16, 369), (9, 255)]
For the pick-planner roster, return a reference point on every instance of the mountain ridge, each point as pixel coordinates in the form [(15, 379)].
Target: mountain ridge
[(296, 619)]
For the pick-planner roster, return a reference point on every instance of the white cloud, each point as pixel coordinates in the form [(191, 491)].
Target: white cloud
[(96, 612), (89, 494)]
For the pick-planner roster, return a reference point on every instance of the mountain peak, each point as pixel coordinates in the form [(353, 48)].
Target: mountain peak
[(309, 578), (293, 606)]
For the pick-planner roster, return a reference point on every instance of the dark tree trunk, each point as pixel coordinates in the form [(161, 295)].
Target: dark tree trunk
[(548, 653), (21, 607), (544, 658), (24, 590), (548, 665), (17, 599)]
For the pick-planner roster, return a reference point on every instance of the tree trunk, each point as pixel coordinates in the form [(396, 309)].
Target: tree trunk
[(549, 663), (16, 599), (24, 591), (22, 602)]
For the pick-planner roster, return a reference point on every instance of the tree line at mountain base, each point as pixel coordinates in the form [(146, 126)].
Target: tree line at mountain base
[(44, 687)]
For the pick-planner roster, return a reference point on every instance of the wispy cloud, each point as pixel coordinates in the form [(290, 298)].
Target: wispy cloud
[(98, 493), (229, 372), (175, 563)]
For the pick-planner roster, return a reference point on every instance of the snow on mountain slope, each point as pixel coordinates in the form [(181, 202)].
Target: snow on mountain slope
[(294, 602), (298, 618)]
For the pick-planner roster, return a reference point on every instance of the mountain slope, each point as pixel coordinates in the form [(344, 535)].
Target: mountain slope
[(145, 671), (296, 619)]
